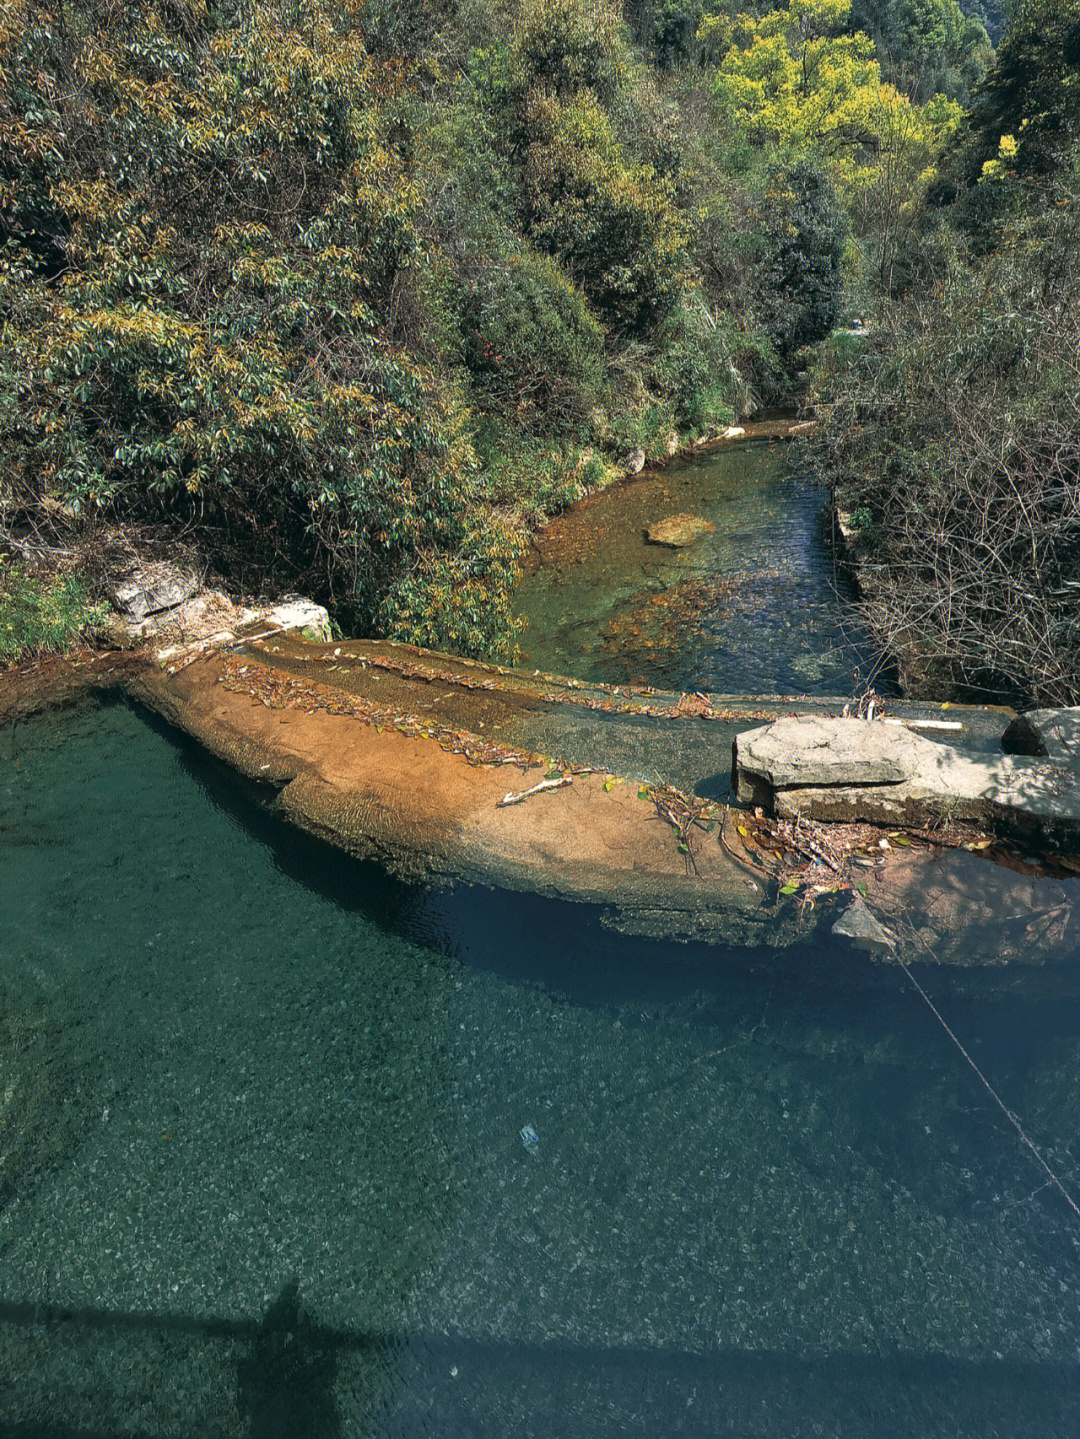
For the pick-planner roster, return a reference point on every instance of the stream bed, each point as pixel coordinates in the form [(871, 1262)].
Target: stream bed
[(752, 607), (289, 1149)]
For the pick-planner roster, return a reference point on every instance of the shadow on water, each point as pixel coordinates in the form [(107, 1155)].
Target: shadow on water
[(287, 1366)]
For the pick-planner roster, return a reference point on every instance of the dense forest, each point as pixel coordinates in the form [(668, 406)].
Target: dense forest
[(358, 291)]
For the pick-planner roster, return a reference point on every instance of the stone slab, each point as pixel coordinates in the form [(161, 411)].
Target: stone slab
[(812, 750), (846, 774)]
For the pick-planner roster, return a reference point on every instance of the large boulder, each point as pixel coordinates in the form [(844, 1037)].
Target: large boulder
[(678, 532)]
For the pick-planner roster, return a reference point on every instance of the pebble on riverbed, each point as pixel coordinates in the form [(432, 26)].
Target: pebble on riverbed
[(679, 531)]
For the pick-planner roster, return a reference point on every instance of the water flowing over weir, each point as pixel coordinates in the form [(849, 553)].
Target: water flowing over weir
[(289, 1148), (753, 606)]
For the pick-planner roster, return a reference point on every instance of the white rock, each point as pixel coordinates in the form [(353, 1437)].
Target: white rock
[(153, 588), (296, 613)]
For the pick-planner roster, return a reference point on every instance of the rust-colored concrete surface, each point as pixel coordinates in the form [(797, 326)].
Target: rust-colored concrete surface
[(336, 766), (402, 756)]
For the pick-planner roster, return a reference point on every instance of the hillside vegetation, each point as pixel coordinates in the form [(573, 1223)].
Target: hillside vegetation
[(954, 440), (357, 291)]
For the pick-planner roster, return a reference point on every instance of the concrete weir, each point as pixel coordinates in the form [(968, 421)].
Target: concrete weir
[(410, 758)]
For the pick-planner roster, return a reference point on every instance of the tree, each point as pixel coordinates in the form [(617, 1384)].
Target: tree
[(666, 29), (805, 229), (926, 46), (1033, 92), (798, 79)]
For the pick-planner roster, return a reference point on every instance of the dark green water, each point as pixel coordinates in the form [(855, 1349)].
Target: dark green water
[(755, 607), (262, 1173)]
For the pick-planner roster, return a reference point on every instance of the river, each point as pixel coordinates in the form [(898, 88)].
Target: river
[(289, 1149), (754, 606)]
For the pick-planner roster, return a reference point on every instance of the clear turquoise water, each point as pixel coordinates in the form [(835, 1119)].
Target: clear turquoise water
[(262, 1173), (754, 607)]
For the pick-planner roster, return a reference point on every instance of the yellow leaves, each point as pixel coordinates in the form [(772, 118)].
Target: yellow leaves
[(1004, 161), (93, 200), (790, 77)]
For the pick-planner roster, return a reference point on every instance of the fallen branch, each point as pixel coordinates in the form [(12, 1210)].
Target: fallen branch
[(541, 788)]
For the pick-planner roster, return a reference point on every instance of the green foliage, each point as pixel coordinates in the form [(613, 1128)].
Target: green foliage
[(1033, 93), (926, 46), (693, 373), (666, 29), (590, 194), (532, 343), (42, 616), (805, 229), (566, 46), (202, 218), (611, 222)]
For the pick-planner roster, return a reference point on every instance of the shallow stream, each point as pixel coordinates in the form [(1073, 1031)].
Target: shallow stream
[(289, 1149), (754, 607)]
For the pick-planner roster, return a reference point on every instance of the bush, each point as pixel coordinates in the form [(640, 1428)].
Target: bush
[(531, 342), (693, 370), (206, 217), (39, 616), (610, 221), (957, 436)]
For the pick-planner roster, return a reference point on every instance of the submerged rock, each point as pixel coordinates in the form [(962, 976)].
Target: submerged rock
[(678, 532), (864, 930)]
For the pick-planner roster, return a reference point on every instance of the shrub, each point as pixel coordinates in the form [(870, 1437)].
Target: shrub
[(531, 340), (39, 616), (956, 436), (205, 216), (694, 371), (610, 221)]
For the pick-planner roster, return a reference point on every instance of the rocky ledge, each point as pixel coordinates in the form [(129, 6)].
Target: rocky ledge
[(877, 772), (169, 609)]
